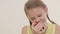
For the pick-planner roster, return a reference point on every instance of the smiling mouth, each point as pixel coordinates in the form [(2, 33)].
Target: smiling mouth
[(36, 23)]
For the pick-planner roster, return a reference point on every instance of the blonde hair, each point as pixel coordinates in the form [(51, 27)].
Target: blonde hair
[(35, 3)]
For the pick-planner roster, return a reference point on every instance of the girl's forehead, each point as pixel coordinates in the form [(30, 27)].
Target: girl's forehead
[(35, 10)]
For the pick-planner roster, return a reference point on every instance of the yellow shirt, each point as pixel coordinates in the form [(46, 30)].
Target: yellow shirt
[(50, 30)]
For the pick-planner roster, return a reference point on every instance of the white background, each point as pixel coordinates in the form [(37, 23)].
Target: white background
[(13, 18)]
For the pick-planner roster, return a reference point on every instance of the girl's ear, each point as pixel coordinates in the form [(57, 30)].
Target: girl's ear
[(46, 10)]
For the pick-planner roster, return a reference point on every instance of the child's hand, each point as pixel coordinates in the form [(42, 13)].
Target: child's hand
[(39, 27)]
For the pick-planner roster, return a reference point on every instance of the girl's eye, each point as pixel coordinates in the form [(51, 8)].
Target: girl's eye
[(39, 15), (32, 19)]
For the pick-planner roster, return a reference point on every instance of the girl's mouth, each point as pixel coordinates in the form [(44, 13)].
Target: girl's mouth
[(36, 23)]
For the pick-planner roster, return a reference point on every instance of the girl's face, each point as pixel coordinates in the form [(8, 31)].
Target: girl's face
[(37, 15)]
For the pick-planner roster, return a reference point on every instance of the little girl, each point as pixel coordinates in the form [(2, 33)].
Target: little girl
[(37, 13)]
